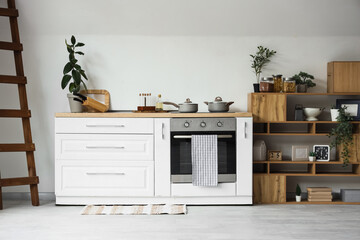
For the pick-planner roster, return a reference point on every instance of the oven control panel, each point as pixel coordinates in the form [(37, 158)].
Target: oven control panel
[(202, 124)]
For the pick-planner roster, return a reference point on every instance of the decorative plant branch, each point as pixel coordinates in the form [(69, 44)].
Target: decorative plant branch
[(260, 59), (343, 135), (76, 72), (298, 190), (304, 78)]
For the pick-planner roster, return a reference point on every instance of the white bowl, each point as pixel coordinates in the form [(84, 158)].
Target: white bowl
[(312, 113)]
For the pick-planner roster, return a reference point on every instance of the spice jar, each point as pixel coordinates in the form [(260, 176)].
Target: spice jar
[(278, 83), (267, 84), (289, 85)]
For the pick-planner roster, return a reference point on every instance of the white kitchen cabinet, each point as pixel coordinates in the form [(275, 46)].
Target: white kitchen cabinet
[(104, 146), (104, 178), (162, 157), (244, 145)]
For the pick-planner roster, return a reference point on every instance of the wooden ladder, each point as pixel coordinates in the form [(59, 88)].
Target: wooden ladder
[(23, 113)]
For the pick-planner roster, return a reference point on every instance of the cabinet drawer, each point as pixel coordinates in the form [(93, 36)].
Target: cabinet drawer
[(104, 125), (188, 190), (104, 146), (79, 178)]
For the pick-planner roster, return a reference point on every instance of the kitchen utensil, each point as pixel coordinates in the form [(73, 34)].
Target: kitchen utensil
[(88, 101), (186, 107), (218, 105), (312, 113)]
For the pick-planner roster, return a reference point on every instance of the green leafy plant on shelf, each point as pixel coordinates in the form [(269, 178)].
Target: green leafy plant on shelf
[(343, 135), (298, 190), (260, 59), (312, 154), (304, 78), (72, 69)]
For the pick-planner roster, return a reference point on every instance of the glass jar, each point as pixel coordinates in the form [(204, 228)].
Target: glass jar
[(278, 83), (266, 84), (289, 85)]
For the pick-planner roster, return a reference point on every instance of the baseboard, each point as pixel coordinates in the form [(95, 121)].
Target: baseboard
[(47, 196)]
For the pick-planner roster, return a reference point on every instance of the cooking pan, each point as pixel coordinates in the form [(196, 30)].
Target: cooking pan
[(186, 107)]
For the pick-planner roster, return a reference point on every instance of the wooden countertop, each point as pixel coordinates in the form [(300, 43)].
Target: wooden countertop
[(152, 115)]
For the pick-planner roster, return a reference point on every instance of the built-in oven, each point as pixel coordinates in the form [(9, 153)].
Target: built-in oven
[(182, 131)]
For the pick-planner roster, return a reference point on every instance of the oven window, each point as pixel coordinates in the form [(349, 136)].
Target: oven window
[(181, 153)]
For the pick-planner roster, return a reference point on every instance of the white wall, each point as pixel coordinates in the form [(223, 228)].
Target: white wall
[(184, 48)]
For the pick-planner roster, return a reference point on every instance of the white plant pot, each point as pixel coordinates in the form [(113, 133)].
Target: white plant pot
[(75, 107), (312, 159), (334, 114), (298, 198)]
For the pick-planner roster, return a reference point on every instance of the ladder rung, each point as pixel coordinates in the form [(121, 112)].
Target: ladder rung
[(11, 46), (7, 182), (12, 79), (15, 113), (7, 12), (17, 147)]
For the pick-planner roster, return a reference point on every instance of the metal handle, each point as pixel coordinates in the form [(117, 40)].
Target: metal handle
[(244, 130), (189, 136), (104, 125), (105, 147), (162, 130), (99, 173)]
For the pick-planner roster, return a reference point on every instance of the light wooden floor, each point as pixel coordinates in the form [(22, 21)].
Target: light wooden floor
[(19, 220)]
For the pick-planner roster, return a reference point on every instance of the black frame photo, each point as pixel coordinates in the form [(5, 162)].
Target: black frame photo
[(347, 102)]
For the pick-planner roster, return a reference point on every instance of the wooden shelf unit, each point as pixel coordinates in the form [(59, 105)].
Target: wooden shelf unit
[(270, 112)]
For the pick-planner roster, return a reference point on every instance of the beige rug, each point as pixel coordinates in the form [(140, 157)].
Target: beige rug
[(151, 209)]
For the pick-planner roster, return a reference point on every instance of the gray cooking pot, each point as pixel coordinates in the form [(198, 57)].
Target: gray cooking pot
[(218, 105), (186, 107)]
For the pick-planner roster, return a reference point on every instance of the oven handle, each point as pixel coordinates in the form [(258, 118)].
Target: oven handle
[(189, 136)]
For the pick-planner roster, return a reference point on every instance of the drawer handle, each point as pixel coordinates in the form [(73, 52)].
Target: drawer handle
[(99, 173), (103, 125), (104, 147)]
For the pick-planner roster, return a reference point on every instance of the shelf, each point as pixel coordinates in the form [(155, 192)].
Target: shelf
[(319, 122), (291, 134), (308, 94), (303, 162), (337, 174), (293, 174)]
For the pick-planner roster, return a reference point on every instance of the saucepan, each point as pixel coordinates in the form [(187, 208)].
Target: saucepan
[(186, 107), (218, 105)]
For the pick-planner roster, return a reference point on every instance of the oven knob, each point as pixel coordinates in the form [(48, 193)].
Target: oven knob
[(186, 124), (203, 124), (220, 124)]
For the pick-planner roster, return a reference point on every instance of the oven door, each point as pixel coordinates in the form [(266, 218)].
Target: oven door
[(181, 167)]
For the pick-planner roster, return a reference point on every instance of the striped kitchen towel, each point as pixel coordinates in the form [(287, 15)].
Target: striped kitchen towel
[(204, 155)]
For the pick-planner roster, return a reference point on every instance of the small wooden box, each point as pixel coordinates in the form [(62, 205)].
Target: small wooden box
[(274, 155), (343, 77)]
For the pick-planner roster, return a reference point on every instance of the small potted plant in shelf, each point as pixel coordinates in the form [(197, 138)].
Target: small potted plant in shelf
[(342, 135), (303, 81), (334, 113), (298, 193), (73, 71), (259, 61), (312, 156)]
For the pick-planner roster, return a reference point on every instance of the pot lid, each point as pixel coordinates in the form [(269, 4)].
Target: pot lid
[(218, 99), (188, 101)]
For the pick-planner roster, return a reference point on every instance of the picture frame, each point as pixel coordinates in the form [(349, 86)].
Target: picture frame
[(300, 153), (322, 153), (274, 155), (353, 107)]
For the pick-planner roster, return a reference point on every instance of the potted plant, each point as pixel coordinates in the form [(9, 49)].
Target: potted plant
[(334, 113), (73, 74), (312, 156), (298, 193), (343, 135), (303, 81), (259, 61)]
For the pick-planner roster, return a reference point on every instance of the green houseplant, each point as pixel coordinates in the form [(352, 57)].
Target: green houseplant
[(298, 193), (259, 60), (343, 135), (73, 74), (303, 81)]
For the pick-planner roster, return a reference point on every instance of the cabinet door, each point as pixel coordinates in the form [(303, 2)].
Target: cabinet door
[(345, 77), (267, 107), (244, 153), (269, 189), (162, 157)]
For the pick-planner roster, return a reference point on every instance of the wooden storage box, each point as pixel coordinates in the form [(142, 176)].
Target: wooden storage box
[(267, 107), (343, 77)]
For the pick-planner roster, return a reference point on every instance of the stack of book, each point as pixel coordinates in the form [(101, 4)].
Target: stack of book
[(319, 194)]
